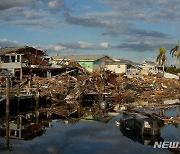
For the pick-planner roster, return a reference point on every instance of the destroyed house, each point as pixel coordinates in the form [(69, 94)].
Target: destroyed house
[(93, 63), (21, 61)]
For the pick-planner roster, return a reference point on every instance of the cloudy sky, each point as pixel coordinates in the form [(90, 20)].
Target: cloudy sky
[(130, 29)]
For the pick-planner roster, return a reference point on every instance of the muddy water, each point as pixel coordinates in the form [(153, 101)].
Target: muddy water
[(88, 137)]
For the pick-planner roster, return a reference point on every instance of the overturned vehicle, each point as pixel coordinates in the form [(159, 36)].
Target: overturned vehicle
[(139, 124)]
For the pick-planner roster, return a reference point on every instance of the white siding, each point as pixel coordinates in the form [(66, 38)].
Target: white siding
[(11, 65), (117, 68), (148, 67)]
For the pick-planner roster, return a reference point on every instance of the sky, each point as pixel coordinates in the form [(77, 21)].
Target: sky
[(127, 29)]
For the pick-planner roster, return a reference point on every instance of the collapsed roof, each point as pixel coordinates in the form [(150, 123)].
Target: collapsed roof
[(32, 55), (22, 50)]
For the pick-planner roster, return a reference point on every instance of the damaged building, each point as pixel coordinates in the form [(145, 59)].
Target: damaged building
[(92, 63), (120, 66), (22, 61)]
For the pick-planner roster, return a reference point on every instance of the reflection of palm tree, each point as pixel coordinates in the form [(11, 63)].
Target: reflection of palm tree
[(161, 58), (176, 52)]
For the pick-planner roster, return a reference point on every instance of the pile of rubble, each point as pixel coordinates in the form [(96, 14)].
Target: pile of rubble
[(151, 88), (103, 91), (65, 87)]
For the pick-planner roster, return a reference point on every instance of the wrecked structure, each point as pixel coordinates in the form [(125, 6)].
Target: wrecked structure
[(93, 63), (41, 92), (70, 79), (73, 83), (20, 61), (25, 62)]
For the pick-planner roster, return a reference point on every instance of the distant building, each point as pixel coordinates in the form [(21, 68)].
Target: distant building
[(149, 66), (93, 63), (122, 66)]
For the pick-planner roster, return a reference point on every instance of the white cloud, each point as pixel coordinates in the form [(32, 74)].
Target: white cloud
[(53, 4), (75, 46), (56, 5), (56, 48), (84, 45), (9, 43), (104, 44)]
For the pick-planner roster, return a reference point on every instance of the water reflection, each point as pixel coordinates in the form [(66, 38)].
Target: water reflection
[(32, 120), (25, 127), (131, 126), (140, 128), (143, 139), (146, 139), (87, 129)]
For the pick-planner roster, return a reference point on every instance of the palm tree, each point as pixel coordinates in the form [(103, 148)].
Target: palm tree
[(176, 52), (161, 58)]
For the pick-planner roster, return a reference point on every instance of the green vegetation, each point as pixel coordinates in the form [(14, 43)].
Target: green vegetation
[(176, 52), (173, 70), (161, 58)]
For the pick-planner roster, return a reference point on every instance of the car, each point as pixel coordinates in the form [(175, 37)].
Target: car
[(139, 123)]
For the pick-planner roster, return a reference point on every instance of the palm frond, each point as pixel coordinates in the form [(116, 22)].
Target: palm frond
[(174, 50), (162, 50)]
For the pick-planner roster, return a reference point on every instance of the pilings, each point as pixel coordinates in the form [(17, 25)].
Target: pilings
[(37, 103), (7, 111)]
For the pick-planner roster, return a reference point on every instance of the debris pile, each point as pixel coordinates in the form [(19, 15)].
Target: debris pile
[(67, 92), (65, 87)]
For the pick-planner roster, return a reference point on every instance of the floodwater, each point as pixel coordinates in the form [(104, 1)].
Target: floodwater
[(90, 137)]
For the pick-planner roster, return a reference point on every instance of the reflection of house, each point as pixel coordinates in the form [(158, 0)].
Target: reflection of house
[(26, 126), (25, 131), (19, 60), (122, 66), (90, 62), (92, 118)]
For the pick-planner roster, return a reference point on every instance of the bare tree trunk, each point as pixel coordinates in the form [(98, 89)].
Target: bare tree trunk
[(177, 60), (177, 63), (163, 69)]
